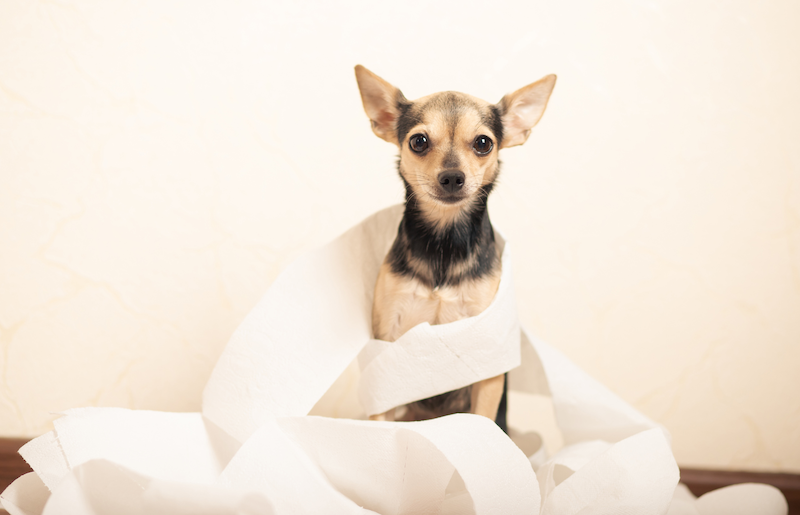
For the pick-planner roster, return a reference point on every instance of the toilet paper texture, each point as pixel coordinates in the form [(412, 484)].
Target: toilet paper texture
[(254, 449)]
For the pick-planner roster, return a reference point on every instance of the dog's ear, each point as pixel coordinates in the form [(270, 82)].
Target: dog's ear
[(522, 109), (380, 101)]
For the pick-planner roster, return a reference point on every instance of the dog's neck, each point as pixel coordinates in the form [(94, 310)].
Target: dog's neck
[(445, 254)]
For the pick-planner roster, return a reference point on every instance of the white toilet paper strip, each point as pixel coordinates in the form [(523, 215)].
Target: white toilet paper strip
[(312, 322), (636, 476), (274, 465), (301, 465), (180, 447), (397, 467), (744, 499), (45, 456), (585, 409), (100, 487), (27, 495), (168, 446)]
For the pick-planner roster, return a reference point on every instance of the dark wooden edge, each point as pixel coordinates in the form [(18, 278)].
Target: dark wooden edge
[(11, 463), (699, 481)]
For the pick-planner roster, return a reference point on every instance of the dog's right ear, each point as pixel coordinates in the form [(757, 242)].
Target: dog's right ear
[(380, 101), (522, 109)]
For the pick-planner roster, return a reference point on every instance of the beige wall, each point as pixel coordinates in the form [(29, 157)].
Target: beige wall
[(160, 162)]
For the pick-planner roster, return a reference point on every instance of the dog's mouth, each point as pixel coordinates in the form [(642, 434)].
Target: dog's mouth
[(436, 196), (450, 200)]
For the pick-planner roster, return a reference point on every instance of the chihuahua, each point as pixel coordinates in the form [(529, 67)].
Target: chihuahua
[(444, 264)]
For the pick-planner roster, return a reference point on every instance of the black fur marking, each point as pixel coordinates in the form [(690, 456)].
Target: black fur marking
[(430, 254), (456, 401), (408, 119), (495, 121), (502, 409)]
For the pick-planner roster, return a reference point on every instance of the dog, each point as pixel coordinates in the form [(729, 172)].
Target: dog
[(444, 264)]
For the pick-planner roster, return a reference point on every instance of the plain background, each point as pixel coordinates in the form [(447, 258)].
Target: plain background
[(160, 162)]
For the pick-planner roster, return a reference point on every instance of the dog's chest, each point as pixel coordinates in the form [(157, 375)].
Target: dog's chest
[(402, 302)]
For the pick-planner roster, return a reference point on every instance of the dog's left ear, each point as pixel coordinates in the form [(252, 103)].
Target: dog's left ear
[(380, 101), (522, 109)]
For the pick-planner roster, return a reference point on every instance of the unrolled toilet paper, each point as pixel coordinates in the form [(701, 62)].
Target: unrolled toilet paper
[(255, 450)]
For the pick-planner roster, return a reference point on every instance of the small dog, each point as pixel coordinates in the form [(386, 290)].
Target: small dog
[(444, 264)]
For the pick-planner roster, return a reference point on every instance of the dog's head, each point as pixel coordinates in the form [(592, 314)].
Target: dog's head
[(449, 141)]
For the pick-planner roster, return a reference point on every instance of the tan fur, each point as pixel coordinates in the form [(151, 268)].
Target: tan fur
[(450, 121), (401, 302), (448, 141)]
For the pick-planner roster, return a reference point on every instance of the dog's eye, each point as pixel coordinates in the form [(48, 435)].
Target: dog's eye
[(418, 143), (482, 145)]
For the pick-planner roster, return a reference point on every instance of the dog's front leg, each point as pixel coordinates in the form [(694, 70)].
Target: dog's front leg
[(486, 396), (389, 415)]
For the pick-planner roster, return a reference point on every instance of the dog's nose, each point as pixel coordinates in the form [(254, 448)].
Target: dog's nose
[(451, 182)]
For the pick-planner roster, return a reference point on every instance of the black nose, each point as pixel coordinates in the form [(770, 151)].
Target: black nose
[(451, 181)]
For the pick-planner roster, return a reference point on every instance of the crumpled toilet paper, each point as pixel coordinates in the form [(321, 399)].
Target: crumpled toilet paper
[(255, 450)]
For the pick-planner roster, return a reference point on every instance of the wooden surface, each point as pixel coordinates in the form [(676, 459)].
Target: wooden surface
[(699, 481), (11, 464)]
